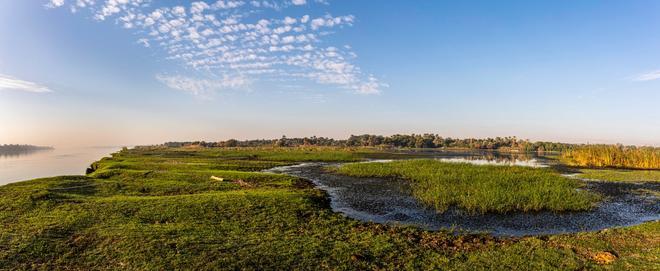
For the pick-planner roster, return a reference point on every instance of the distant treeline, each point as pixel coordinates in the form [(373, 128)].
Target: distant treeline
[(397, 141), (615, 156), (15, 149)]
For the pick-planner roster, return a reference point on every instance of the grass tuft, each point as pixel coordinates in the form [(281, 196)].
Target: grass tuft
[(481, 189)]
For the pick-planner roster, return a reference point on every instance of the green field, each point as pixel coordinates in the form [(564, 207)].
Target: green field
[(159, 209), (481, 189)]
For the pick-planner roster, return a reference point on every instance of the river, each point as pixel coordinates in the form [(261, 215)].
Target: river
[(47, 163)]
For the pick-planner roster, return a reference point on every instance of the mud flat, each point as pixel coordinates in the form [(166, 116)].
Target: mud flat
[(391, 202)]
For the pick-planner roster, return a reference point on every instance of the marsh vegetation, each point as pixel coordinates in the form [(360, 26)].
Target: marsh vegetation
[(159, 208), (481, 189), (613, 156), (620, 175)]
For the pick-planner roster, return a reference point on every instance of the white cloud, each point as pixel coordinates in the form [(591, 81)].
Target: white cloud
[(144, 42), (289, 20), (372, 86), (55, 3), (198, 7), (179, 11), (227, 4), (648, 76), (11, 83), (203, 87), (235, 37)]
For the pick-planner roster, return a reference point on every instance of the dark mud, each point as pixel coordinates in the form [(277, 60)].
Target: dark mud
[(390, 202)]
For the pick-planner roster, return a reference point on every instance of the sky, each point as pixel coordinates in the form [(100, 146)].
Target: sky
[(133, 72)]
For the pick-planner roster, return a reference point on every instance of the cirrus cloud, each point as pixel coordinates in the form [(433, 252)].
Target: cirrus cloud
[(11, 83), (647, 76)]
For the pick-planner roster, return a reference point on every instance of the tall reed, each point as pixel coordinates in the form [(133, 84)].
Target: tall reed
[(613, 156)]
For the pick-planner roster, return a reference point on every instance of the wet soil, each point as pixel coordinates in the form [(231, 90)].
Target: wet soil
[(390, 201)]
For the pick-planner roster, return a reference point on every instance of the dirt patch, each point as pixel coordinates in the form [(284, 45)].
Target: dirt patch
[(604, 257)]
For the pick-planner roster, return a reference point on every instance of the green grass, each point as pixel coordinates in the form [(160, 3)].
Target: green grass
[(620, 175), (159, 215), (481, 189), (298, 154)]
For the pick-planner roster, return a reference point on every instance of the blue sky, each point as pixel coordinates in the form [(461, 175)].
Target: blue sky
[(572, 71)]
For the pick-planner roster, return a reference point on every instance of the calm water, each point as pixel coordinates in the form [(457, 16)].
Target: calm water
[(48, 163)]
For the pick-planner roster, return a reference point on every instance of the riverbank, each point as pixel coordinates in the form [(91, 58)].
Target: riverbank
[(160, 209)]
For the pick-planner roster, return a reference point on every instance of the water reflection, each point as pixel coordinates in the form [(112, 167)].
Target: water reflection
[(498, 162), (21, 152), (483, 157)]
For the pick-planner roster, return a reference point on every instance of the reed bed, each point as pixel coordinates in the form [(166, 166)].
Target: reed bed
[(613, 156)]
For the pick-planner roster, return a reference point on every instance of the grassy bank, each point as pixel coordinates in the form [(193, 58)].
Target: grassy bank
[(158, 209), (481, 189), (610, 156), (620, 175)]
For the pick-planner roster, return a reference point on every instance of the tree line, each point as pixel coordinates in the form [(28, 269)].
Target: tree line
[(16, 149), (394, 141)]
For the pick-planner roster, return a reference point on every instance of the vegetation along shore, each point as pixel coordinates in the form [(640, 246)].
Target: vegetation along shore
[(159, 208)]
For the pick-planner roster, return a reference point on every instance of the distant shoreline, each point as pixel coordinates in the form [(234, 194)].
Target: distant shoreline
[(15, 149)]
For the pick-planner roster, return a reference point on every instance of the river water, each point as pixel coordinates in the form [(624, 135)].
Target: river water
[(48, 163)]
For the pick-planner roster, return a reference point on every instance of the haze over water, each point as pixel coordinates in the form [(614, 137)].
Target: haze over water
[(49, 163)]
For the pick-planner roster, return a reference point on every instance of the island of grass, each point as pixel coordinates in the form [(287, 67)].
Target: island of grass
[(159, 209), (620, 175), (479, 188)]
